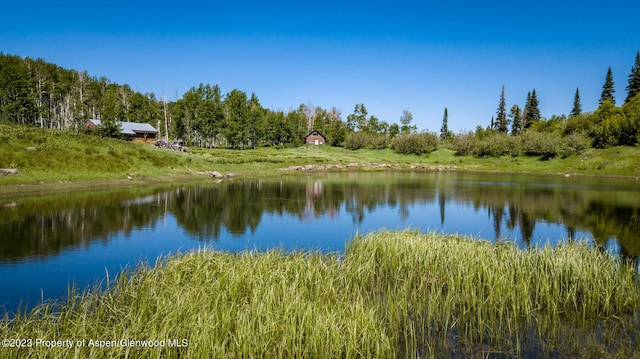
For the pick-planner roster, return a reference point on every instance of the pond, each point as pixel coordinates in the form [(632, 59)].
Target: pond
[(48, 242)]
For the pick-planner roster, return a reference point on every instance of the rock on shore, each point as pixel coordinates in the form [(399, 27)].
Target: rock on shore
[(370, 165), (9, 171)]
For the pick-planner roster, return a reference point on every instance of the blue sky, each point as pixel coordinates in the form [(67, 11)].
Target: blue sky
[(389, 55)]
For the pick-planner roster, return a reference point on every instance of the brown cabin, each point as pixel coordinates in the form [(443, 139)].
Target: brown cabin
[(130, 131), (315, 138)]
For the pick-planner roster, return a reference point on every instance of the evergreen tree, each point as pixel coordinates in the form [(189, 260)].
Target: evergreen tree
[(577, 105), (608, 89), (634, 80), (535, 107), (444, 130), (516, 119), (501, 124), (531, 110)]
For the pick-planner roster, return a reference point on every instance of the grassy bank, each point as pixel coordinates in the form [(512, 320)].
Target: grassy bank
[(392, 294), (48, 156)]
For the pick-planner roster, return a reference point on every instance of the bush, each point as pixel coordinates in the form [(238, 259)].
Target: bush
[(574, 144), (360, 139), (355, 140), (377, 141), (416, 143), (464, 144), (497, 145), (534, 143)]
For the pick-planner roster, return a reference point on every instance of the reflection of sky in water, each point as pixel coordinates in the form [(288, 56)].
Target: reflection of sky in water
[(48, 277)]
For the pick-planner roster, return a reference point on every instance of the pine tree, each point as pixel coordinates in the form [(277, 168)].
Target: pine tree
[(608, 89), (501, 123), (531, 112), (516, 119), (535, 108), (634, 80), (577, 105), (444, 130)]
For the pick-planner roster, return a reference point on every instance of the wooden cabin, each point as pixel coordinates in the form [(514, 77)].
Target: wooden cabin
[(130, 131), (315, 138)]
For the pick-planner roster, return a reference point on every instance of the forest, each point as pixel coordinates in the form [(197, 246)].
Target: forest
[(37, 93)]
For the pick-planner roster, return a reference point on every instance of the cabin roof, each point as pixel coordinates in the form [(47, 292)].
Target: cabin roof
[(130, 128), (315, 132)]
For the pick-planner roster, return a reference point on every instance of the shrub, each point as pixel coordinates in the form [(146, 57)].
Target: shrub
[(464, 144), (416, 143), (496, 145), (573, 144), (377, 141), (355, 141), (580, 123), (534, 143), (361, 139)]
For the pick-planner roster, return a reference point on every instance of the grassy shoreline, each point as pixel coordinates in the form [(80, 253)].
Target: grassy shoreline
[(392, 294), (50, 159)]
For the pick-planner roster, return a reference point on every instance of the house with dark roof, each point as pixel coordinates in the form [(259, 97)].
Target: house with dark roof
[(315, 138), (131, 131)]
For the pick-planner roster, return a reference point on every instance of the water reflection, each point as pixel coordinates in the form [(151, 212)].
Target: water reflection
[(514, 206), (46, 242)]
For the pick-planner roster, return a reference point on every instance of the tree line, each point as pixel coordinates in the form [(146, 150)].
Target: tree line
[(524, 131), (37, 93)]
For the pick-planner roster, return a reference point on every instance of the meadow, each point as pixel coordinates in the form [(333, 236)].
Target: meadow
[(56, 160), (391, 294)]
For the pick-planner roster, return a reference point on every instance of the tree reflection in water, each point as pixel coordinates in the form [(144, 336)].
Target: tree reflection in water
[(46, 225)]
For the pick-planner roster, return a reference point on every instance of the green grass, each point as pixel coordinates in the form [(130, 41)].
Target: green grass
[(49, 156), (392, 294)]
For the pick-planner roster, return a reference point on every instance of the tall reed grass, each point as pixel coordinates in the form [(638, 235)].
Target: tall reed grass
[(391, 294)]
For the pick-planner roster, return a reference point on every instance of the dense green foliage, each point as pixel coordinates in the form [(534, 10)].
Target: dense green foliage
[(36, 93), (415, 143), (491, 143), (392, 294), (559, 136)]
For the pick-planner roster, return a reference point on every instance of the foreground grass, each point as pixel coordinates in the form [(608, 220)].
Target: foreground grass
[(392, 294)]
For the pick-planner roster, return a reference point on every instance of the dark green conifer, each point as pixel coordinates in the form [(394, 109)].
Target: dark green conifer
[(444, 130), (516, 119), (501, 123), (608, 89), (531, 112), (634, 80), (577, 105)]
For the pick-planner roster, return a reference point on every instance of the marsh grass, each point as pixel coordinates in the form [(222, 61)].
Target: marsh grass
[(391, 294)]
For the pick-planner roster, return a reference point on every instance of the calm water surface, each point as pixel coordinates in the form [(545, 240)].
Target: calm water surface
[(48, 242)]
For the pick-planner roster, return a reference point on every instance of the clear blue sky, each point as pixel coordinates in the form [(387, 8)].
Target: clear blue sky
[(390, 55)]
